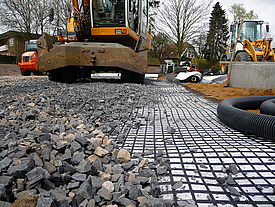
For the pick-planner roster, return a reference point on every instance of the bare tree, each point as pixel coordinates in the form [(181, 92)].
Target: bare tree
[(33, 17), (181, 20), (41, 16), (63, 11), (153, 5), (17, 15), (199, 42), (159, 42)]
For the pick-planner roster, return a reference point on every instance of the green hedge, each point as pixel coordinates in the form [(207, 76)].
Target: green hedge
[(153, 61), (7, 59)]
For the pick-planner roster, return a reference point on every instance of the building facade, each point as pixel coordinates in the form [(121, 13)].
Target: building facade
[(12, 43)]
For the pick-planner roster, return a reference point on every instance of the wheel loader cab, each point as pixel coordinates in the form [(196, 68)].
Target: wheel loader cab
[(251, 30)]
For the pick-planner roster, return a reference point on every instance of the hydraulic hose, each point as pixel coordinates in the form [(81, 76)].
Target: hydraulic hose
[(268, 107), (232, 112)]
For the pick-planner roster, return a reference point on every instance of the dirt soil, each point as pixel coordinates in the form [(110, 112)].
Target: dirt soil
[(9, 70), (221, 91), (218, 92)]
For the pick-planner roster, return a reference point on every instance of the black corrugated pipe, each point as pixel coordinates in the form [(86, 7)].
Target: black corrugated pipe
[(268, 107), (232, 112)]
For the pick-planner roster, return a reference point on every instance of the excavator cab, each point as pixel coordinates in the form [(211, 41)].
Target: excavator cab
[(109, 12), (122, 21), (120, 13)]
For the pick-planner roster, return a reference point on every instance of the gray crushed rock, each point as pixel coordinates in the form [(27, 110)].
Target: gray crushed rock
[(54, 143)]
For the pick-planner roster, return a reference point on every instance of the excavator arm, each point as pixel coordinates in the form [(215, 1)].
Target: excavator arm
[(82, 19)]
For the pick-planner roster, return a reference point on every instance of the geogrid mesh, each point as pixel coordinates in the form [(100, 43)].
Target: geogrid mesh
[(201, 150)]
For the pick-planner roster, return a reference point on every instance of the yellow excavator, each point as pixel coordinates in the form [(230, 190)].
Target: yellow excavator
[(251, 44), (102, 35)]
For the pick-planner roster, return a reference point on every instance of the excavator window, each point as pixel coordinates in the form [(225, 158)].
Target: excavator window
[(109, 12), (145, 11), (133, 14)]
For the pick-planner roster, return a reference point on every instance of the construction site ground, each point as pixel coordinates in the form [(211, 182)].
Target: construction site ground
[(221, 91), (218, 92), (211, 164), (202, 150)]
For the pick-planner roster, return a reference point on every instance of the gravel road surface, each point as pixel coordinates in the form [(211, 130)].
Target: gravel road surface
[(62, 144)]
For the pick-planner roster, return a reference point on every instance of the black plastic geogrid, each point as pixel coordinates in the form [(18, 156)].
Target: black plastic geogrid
[(200, 151)]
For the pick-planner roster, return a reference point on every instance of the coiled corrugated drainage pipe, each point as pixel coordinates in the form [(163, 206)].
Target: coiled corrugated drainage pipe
[(233, 113), (268, 107)]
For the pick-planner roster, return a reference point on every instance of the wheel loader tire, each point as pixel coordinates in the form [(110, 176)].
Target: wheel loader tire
[(194, 79), (26, 73), (242, 57), (224, 66)]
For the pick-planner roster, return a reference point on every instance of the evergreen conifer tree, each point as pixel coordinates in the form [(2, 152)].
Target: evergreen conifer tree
[(217, 35)]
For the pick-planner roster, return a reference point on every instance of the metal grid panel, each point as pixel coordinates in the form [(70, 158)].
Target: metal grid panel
[(201, 150)]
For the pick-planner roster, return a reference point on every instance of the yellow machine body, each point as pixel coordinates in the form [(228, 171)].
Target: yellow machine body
[(251, 46), (106, 31)]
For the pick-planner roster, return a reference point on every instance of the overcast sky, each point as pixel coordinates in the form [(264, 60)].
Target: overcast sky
[(265, 9)]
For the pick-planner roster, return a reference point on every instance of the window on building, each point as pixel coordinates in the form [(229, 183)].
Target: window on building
[(11, 42)]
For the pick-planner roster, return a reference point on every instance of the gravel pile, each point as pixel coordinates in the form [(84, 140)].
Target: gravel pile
[(56, 147)]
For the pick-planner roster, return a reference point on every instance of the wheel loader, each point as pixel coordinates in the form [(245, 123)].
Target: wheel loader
[(102, 35), (251, 44)]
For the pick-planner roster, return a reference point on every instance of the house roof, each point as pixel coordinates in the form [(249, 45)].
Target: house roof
[(7, 35), (170, 51), (162, 61)]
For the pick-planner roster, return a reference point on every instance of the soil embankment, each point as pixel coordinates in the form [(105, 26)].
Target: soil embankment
[(221, 91)]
